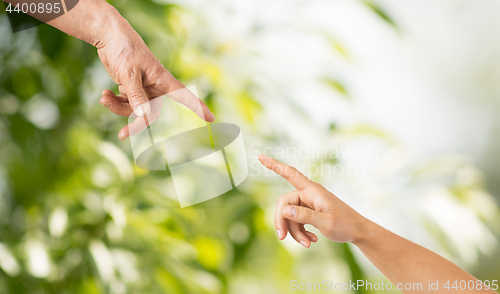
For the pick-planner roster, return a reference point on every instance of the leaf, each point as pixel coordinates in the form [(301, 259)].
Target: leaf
[(338, 86), (339, 48), (381, 13)]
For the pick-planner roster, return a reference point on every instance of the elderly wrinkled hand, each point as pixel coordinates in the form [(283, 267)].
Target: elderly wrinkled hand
[(141, 77)]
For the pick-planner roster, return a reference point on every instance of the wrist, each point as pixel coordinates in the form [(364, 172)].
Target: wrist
[(365, 233), (118, 33), (108, 26), (90, 21)]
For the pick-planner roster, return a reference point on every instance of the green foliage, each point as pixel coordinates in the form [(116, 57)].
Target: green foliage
[(104, 225), (338, 86), (375, 7)]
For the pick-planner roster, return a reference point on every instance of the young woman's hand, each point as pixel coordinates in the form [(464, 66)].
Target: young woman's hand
[(312, 204), (401, 261)]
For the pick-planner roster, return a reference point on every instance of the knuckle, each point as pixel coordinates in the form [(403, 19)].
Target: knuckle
[(167, 81), (136, 95), (280, 201), (132, 73), (292, 170), (277, 169), (288, 171), (319, 190)]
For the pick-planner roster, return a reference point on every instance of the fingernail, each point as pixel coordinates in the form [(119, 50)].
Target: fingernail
[(262, 156), (290, 211), (303, 243), (279, 233), (142, 109), (107, 105)]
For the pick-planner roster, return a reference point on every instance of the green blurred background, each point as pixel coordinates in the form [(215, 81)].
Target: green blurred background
[(77, 215)]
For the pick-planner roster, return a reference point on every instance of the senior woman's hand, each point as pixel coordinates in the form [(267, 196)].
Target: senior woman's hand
[(312, 204), (139, 74), (140, 77)]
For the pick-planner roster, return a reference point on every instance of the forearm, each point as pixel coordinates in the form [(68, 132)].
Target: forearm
[(402, 261), (90, 21), (93, 21)]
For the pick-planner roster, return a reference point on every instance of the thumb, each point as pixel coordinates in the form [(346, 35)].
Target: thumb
[(137, 97), (305, 215)]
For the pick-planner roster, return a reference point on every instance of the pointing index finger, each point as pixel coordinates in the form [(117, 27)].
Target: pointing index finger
[(289, 173)]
